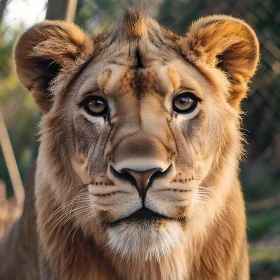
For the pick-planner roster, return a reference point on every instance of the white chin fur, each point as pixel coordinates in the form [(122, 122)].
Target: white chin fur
[(144, 241)]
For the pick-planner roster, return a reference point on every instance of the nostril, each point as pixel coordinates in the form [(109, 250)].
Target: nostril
[(159, 174), (123, 176)]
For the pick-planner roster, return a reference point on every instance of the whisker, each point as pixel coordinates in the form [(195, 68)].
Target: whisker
[(75, 224), (69, 214), (83, 221), (205, 192), (63, 215), (197, 178), (64, 205), (75, 200), (62, 222)]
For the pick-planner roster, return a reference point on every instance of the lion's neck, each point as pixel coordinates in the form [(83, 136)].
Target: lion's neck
[(173, 266)]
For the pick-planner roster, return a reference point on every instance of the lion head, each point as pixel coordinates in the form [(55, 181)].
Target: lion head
[(140, 136)]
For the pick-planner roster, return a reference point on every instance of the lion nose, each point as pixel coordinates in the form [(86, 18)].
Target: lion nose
[(141, 179)]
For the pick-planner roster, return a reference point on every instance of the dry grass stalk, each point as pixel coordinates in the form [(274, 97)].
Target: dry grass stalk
[(9, 210)]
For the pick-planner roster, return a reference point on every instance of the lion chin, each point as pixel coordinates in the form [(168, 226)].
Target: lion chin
[(146, 240)]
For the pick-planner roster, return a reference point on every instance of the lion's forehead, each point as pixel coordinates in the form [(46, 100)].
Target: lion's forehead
[(138, 81), (140, 67), (163, 79)]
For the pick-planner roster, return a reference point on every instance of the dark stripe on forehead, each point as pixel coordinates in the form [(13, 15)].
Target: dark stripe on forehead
[(138, 59), (139, 82)]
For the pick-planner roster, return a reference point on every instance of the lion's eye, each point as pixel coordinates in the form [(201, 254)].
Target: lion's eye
[(95, 106), (185, 103)]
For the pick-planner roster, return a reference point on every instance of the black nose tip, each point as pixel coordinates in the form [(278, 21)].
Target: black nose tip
[(142, 180)]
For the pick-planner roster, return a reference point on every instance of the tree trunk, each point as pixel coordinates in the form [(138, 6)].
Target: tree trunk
[(61, 10), (3, 4)]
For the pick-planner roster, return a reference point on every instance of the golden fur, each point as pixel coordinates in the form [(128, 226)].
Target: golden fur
[(139, 67)]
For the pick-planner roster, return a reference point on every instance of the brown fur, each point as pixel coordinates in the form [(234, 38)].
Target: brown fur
[(139, 67)]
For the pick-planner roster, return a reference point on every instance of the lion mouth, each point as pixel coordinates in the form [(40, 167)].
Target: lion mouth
[(142, 215)]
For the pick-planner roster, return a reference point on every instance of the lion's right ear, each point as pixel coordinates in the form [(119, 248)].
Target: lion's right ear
[(226, 43), (45, 50)]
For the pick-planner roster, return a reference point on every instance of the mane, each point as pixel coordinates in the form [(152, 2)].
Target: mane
[(133, 24)]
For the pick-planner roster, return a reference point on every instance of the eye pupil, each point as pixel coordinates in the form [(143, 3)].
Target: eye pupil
[(184, 103), (96, 103), (183, 100)]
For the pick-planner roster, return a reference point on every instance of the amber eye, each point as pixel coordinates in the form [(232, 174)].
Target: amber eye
[(185, 103), (95, 106)]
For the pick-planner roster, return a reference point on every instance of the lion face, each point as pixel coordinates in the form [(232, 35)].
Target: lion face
[(136, 128), (145, 157)]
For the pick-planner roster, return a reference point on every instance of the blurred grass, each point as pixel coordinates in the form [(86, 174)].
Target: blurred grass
[(264, 270), (262, 223), (266, 187), (264, 236)]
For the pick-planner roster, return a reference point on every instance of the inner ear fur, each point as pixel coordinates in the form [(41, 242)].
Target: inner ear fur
[(44, 51), (225, 43)]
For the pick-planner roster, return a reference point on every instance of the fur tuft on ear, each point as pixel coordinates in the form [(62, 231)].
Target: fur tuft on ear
[(226, 43), (46, 50)]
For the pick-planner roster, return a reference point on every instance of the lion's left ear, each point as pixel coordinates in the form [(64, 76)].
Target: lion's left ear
[(226, 43)]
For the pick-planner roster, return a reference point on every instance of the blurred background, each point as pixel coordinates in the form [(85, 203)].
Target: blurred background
[(260, 173)]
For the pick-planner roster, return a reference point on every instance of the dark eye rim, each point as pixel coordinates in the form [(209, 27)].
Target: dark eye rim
[(191, 108), (84, 105)]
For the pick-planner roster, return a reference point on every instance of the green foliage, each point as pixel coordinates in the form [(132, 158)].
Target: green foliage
[(178, 15)]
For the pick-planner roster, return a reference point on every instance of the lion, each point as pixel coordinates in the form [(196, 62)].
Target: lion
[(137, 171)]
